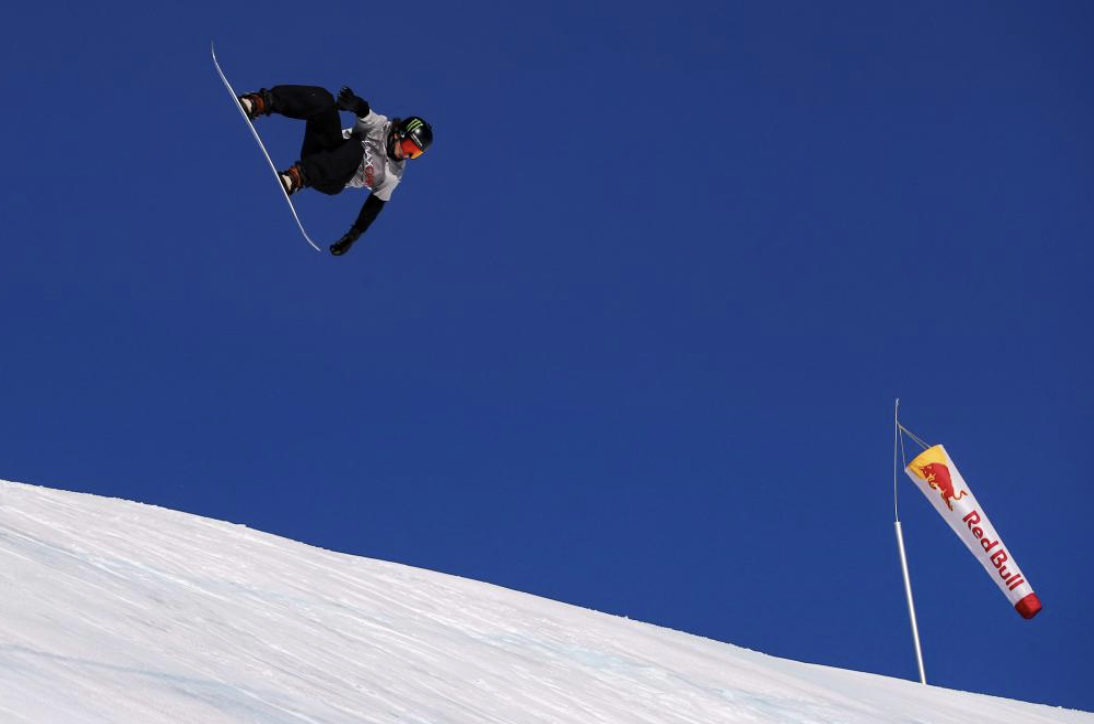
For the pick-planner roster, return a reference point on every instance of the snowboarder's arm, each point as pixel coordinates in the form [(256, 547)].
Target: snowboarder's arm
[(369, 211), (350, 101)]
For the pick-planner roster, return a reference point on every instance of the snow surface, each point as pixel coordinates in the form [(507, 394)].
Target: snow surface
[(112, 611)]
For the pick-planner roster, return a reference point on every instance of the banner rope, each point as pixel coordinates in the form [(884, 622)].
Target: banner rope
[(914, 437)]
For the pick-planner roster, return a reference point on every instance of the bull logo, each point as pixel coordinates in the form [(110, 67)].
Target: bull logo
[(937, 476)]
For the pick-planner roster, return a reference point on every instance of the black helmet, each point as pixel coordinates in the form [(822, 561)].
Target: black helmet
[(413, 133)]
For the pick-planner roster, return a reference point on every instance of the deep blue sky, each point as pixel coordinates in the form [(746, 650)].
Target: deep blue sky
[(628, 336)]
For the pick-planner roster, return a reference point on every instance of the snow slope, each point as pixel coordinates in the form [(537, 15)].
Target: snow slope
[(112, 611)]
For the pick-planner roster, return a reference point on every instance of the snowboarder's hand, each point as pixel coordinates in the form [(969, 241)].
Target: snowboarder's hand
[(341, 246), (350, 101)]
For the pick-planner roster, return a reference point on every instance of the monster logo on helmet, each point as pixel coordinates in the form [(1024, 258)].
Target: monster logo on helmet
[(413, 134)]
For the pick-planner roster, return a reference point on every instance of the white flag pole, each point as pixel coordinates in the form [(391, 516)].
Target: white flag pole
[(900, 546)]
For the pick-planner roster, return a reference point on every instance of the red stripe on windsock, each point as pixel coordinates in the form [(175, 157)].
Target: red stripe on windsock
[(1029, 606)]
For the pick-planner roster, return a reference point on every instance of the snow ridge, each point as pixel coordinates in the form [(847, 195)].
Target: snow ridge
[(113, 611)]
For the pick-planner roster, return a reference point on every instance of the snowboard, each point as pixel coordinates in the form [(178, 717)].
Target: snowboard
[(258, 139)]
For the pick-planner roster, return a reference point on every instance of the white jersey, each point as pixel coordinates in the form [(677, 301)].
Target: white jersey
[(377, 172)]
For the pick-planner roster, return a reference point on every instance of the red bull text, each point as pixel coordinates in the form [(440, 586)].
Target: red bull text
[(999, 558)]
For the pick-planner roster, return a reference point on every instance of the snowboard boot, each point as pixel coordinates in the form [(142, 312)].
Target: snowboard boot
[(293, 179), (259, 103)]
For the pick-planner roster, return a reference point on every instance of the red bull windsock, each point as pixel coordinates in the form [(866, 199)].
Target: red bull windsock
[(936, 475)]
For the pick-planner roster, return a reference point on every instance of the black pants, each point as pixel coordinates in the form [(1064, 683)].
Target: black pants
[(328, 160)]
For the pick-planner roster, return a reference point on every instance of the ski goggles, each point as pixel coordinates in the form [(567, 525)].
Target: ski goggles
[(410, 148)]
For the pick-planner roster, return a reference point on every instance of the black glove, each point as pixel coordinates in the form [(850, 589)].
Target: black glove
[(341, 246), (350, 101)]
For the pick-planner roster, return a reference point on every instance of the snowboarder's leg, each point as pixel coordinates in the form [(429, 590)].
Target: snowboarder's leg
[(329, 170), (316, 106), (327, 160)]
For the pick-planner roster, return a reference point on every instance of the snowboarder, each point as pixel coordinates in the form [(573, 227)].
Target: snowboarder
[(372, 154)]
